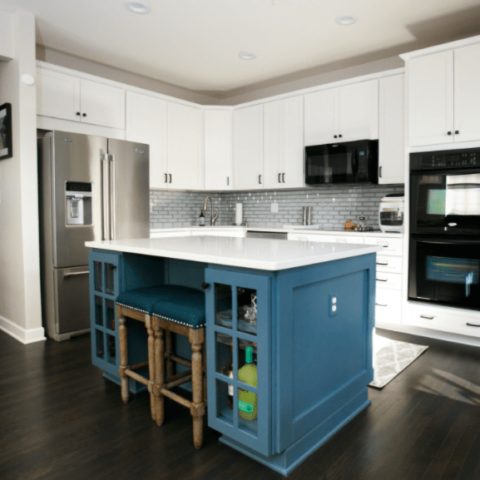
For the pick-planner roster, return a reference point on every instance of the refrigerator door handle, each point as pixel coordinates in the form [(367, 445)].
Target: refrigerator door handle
[(105, 197), (112, 174)]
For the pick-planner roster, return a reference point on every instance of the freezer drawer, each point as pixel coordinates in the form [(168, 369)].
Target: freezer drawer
[(71, 290)]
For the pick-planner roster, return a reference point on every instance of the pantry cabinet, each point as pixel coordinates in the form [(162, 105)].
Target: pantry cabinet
[(147, 123), (444, 96), (283, 143), (391, 155), (248, 148), (343, 114), (218, 149), (67, 97)]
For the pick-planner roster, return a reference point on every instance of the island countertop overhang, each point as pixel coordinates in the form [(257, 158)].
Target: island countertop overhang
[(259, 254)]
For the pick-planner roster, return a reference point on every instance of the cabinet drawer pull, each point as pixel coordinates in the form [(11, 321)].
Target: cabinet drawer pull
[(382, 279), (384, 264), (380, 304), (260, 179), (473, 325), (166, 178), (283, 177), (170, 177), (384, 245), (279, 178), (427, 317), (228, 180)]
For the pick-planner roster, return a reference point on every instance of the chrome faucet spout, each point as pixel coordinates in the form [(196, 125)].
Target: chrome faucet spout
[(213, 218)]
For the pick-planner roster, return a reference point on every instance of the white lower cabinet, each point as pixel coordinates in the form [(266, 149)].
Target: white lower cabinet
[(388, 305)]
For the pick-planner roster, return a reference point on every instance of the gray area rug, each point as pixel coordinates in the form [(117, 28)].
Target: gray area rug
[(391, 357)]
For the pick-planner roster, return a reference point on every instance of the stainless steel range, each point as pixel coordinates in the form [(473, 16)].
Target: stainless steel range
[(91, 188)]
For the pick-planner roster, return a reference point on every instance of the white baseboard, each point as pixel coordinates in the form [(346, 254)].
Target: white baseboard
[(21, 334)]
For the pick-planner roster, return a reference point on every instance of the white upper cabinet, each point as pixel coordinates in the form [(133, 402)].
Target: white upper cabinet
[(218, 149), (467, 93), (185, 166), (147, 123), (342, 114), (283, 143), (102, 104), (58, 95), (358, 111), (248, 148), (430, 97), (391, 130), (321, 117), (64, 96)]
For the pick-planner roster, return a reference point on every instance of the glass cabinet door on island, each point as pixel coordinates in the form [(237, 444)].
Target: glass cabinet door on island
[(104, 276), (238, 353)]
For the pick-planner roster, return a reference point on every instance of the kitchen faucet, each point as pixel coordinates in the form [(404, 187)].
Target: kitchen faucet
[(213, 218)]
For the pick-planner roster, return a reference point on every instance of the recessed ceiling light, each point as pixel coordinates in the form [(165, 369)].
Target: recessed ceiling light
[(247, 56), (138, 7), (346, 19)]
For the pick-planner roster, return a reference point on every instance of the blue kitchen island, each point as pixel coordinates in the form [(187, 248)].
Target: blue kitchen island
[(305, 310)]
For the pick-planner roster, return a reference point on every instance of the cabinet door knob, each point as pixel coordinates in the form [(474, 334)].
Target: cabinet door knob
[(449, 133), (339, 136), (84, 114), (78, 113), (334, 136), (205, 285), (457, 132)]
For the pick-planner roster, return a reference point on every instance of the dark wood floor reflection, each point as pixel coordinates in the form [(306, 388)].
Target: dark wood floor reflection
[(59, 419)]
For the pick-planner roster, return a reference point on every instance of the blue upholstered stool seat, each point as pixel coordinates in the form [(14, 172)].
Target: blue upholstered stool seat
[(183, 305)]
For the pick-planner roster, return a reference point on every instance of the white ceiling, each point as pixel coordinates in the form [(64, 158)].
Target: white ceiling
[(195, 43)]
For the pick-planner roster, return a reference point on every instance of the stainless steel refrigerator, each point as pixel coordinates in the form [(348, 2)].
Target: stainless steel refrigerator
[(91, 188)]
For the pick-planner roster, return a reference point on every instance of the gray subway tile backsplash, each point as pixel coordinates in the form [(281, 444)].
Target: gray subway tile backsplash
[(331, 206)]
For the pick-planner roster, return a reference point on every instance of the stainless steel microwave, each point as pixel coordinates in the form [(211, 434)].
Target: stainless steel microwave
[(348, 162)]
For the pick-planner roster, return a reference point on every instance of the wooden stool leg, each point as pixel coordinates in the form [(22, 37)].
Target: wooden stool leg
[(198, 408), (122, 335), (159, 374), (169, 352), (151, 363)]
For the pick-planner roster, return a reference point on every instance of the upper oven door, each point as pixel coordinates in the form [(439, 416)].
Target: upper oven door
[(445, 202), (445, 271)]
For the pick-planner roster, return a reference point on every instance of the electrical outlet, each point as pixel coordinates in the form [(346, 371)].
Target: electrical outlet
[(332, 305), (274, 207)]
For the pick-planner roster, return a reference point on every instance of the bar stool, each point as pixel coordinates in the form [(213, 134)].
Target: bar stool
[(137, 304), (179, 310), (182, 312)]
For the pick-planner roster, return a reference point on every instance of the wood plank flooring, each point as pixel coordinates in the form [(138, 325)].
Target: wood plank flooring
[(59, 419)]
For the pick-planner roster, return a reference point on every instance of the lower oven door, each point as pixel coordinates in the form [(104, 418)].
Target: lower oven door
[(445, 272)]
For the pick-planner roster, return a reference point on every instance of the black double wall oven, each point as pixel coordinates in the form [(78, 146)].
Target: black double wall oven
[(444, 254)]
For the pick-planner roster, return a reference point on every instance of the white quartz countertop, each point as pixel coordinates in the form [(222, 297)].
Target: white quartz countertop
[(260, 254), (293, 229)]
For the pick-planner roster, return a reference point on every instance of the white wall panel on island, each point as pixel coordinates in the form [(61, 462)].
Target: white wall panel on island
[(147, 123), (248, 148), (218, 149)]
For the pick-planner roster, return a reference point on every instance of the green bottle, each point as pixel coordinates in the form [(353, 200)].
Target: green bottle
[(247, 401)]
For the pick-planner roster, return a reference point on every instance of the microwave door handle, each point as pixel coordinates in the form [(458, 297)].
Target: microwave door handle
[(450, 242)]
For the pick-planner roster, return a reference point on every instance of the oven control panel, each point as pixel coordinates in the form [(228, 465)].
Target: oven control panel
[(445, 159)]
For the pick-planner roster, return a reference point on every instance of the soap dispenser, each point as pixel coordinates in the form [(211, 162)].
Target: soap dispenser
[(201, 219)]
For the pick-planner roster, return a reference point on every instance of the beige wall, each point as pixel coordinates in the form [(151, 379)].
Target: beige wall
[(118, 75), (300, 81), (20, 304), (6, 36)]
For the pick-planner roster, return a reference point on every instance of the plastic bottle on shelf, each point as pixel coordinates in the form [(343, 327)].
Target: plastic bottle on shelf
[(247, 401)]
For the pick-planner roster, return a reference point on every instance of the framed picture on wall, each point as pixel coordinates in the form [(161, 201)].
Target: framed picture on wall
[(5, 131)]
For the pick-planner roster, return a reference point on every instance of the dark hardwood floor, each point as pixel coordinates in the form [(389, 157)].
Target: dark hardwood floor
[(59, 419)]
